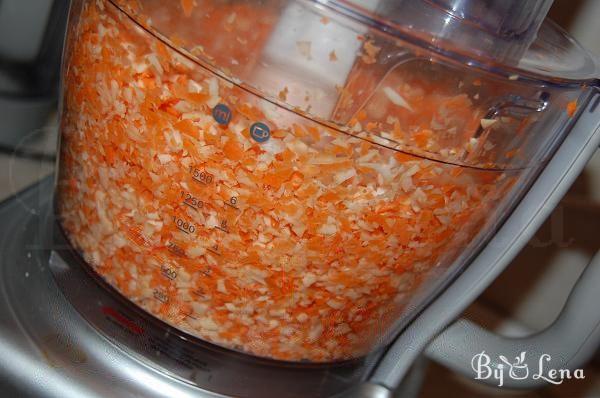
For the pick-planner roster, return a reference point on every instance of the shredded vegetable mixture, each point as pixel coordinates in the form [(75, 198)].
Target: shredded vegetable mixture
[(305, 246)]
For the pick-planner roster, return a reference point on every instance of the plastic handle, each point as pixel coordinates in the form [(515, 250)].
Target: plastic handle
[(545, 193), (566, 344)]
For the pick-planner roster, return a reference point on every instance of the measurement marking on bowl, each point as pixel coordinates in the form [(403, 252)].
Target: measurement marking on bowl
[(232, 202), (214, 250), (168, 272), (201, 181), (201, 176), (183, 225), (161, 296), (188, 315), (175, 249), (189, 205), (191, 201), (223, 227)]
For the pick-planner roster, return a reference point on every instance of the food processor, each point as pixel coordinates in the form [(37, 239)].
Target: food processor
[(290, 198)]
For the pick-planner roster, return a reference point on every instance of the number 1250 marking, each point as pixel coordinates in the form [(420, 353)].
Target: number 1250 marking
[(191, 201)]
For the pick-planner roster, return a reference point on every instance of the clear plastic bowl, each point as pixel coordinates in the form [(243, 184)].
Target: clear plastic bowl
[(283, 178)]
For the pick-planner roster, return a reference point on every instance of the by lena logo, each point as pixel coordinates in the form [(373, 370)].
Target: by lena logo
[(519, 370)]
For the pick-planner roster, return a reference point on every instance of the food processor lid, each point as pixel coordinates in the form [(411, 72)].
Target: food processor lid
[(510, 37)]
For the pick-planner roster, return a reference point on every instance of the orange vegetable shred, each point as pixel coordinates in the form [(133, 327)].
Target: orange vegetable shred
[(571, 108), (301, 247)]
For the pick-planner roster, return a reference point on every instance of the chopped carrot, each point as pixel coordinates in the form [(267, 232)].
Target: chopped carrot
[(187, 6), (232, 150), (422, 138), (511, 154), (295, 247), (571, 108)]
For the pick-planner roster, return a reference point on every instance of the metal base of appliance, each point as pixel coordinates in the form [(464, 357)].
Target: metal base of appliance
[(49, 350)]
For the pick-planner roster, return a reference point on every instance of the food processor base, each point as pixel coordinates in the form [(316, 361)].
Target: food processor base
[(49, 350)]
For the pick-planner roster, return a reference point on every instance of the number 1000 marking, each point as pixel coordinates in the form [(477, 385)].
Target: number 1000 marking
[(184, 226)]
